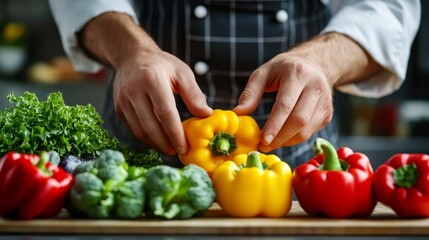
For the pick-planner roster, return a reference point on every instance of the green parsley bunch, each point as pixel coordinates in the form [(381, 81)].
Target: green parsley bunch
[(32, 126)]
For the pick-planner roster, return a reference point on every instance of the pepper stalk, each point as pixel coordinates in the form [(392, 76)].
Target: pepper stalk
[(331, 161), (253, 160), (41, 164), (406, 176), (222, 144)]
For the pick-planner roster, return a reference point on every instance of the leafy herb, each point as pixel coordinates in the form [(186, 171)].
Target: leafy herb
[(152, 158), (32, 126)]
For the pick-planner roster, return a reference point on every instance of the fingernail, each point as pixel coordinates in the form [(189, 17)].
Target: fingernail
[(171, 152), (180, 150), (268, 139), (265, 148)]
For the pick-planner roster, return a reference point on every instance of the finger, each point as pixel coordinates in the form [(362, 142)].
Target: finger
[(122, 106), (287, 97), (192, 95), (252, 93), (301, 116), (321, 116), (318, 122), (152, 127), (126, 113), (168, 117)]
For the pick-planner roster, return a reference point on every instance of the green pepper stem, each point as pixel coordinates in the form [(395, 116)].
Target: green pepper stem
[(406, 176), (222, 144), (41, 164), (254, 160), (331, 161)]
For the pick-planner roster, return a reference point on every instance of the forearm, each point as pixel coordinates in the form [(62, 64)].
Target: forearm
[(342, 59), (113, 37)]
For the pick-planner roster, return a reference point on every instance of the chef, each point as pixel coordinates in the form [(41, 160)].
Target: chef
[(277, 60)]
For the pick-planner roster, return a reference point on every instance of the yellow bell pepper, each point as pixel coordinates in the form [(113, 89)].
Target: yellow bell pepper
[(254, 185), (219, 137)]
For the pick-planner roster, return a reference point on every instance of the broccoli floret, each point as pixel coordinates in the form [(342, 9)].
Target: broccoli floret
[(107, 187), (110, 157), (197, 196), (85, 167), (130, 199), (111, 165), (178, 193), (87, 196)]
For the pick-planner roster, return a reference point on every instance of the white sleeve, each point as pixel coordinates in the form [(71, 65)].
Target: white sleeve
[(71, 16), (386, 30)]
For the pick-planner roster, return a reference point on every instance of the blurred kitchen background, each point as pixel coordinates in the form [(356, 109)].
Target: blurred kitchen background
[(32, 59)]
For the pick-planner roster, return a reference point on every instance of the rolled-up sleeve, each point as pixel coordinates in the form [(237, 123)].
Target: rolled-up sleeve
[(71, 17), (386, 30)]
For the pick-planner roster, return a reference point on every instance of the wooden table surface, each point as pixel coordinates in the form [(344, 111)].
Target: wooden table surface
[(383, 221)]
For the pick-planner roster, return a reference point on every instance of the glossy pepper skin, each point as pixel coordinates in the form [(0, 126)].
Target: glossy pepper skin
[(254, 185), (330, 187), (402, 183), (31, 187), (219, 137)]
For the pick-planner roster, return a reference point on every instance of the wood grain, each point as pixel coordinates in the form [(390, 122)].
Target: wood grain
[(383, 221)]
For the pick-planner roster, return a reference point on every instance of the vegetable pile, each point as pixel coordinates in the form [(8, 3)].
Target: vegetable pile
[(334, 183), (107, 187), (32, 126), (220, 144), (57, 156), (342, 184)]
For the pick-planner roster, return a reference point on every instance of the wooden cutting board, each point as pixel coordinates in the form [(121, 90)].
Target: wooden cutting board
[(383, 221)]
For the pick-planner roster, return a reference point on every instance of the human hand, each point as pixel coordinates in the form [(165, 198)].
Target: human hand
[(303, 104), (304, 78), (143, 93)]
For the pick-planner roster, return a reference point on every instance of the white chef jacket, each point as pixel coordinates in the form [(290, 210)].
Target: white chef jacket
[(385, 29)]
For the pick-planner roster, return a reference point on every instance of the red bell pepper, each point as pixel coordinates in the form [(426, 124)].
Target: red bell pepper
[(336, 184), (31, 187), (402, 183)]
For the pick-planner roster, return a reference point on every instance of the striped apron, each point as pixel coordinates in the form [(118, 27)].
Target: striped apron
[(224, 42)]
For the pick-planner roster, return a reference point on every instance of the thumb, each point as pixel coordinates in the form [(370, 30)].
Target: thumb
[(252, 93)]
